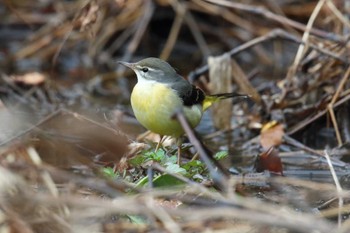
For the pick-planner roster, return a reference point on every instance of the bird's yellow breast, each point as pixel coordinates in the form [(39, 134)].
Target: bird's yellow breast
[(154, 104)]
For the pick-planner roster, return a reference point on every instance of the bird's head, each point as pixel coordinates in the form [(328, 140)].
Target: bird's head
[(152, 69)]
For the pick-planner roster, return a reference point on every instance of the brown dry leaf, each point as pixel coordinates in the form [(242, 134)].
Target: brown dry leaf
[(220, 75), (33, 78), (66, 140), (171, 204), (72, 139), (120, 3), (269, 161), (132, 150), (271, 134), (87, 16)]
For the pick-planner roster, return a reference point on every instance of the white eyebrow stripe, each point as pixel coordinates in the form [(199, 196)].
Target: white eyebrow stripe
[(149, 68)]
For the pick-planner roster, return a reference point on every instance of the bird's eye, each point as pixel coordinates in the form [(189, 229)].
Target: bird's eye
[(145, 69)]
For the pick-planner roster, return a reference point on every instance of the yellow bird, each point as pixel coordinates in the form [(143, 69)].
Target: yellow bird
[(160, 92)]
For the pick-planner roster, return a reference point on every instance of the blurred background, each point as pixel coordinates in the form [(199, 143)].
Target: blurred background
[(65, 100)]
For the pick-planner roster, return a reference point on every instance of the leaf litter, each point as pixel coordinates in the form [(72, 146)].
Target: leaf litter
[(277, 162)]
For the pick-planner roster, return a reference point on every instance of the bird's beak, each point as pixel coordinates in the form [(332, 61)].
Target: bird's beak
[(127, 64)]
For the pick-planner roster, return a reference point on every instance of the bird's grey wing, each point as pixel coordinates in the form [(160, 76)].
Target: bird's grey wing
[(189, 93)]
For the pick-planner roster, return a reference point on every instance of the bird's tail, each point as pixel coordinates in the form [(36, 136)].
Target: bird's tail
[(210, 99)]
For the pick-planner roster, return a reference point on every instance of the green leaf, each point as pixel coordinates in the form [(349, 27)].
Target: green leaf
[(194, 167), (137, 160), (175, 168), (109, 172), (167, 180), (137, 219), (221, 155), (171, 159), (194, 163), (158, 156), (161, 181), (142, 182)]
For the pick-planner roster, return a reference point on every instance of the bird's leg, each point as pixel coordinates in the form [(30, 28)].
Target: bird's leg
[(159, 143), (179, 143)]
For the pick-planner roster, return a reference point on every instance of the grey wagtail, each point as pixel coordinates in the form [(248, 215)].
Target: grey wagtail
[(160, 92)]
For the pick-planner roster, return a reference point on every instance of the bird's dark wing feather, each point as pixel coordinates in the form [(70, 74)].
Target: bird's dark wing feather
[(189, 94), (196, 96)]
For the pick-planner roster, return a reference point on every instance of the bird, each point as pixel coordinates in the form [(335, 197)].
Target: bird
[(160, 91)]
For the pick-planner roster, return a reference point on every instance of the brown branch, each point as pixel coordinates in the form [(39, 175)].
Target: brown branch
[(278, 18), (274, 34), (219, 176)]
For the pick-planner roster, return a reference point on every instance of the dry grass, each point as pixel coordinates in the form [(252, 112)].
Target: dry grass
[(290, 56)]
